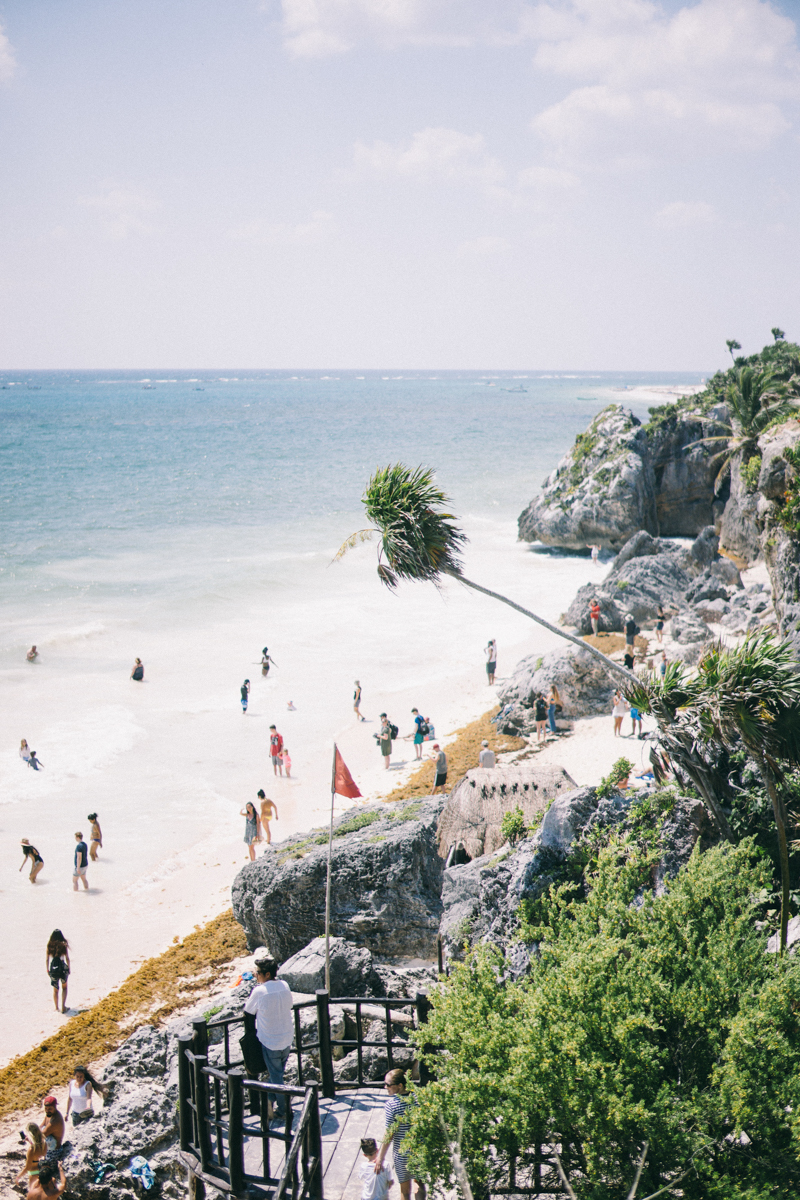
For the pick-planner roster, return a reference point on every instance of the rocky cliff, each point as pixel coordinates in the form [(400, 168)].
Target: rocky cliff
[(621, 476)]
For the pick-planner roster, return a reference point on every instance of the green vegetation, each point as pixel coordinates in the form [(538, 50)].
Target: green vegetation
[(750, 472), (512, 826), (790, 511), (644, 1018), (212, 1012), (618, 774), (359, 820)]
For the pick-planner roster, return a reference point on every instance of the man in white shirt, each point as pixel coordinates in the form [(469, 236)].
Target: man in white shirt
[(271, 1004), (486, 757)]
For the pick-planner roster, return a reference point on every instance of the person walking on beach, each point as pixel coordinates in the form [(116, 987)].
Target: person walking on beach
[(286, 761), (25, 751), (660, 619), (594, 615), (244, 692), (34, 762), (95, 837), (440, 779), (395, 1116), (357, 702), (81, 863), (137, 673), (32, 654), (631, 630), (420, 729), (266, 662), (251, 830), (275, 750), (553, 700), (618, 710), (486, 758), (80, 1097), (636, 719), (491, 660), (541, 718), (52, 1126), (49, 1183), (270, 1002), (58, 966), (384, 740), (30, 853), (595, 549), (35, 1150), (268, 810)]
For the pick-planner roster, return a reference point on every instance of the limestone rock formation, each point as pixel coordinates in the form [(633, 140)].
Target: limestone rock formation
[(647, 572), (475, 808), (584, 685), (599, 492), (387, 868), (739, 532), (352, 970), (621, 477)]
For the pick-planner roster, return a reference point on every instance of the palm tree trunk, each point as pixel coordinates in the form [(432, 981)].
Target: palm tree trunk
[(779, 812), (607, 662)]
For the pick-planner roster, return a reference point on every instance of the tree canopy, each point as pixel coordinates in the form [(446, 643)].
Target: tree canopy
[(645, 1018)]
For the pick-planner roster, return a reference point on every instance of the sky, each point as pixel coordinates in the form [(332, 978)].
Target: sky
[(415, 184)]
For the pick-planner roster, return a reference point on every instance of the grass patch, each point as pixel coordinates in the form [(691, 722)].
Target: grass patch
[(462, 754), (160, 987), (359, 821)]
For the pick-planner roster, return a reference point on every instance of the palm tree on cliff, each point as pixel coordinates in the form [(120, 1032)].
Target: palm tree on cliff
[(420, 540), (732, 345), (748, 695), (754, 399)]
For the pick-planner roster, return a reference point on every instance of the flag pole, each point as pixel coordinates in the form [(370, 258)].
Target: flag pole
[(328, 883)]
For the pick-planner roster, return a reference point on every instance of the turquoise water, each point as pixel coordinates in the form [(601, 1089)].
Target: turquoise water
[(96, 466)]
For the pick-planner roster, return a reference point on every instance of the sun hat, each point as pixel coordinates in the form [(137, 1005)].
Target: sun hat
[(25, 842), (484, 743)]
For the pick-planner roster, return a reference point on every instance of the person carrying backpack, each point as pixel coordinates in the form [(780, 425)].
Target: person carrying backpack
[(385, 738)]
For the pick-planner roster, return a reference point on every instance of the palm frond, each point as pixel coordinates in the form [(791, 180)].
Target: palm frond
[(419, 539), (355, 539)]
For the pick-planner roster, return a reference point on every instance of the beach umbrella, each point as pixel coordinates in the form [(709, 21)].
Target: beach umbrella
[(420, 540)]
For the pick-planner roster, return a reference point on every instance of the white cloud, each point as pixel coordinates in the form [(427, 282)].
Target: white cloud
[(682, 214), (8, 64), (306, 233), (434, 153), (718, 73), (547, 178), (122, 212)]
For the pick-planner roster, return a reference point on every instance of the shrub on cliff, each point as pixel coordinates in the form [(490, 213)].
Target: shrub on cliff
[(645, 1018)]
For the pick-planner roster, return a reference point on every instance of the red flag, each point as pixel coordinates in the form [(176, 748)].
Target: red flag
[(343, 783)]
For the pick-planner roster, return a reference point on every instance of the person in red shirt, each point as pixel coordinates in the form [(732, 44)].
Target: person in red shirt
[(594, 615), (275, 748)]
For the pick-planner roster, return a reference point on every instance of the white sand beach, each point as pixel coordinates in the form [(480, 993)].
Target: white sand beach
[(169, 763)]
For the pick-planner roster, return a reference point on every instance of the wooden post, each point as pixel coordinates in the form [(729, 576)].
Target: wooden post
[(199, 1037), (184, 1091), (324, 1038), (440, 953), (314, 1150), (235, 1130), (201, 1104)]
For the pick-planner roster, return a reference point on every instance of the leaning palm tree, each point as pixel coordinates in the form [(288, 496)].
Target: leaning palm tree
[(420, 540), (754, 399), (751, 694)]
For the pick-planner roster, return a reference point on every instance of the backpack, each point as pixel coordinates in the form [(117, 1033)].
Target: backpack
[(394, 732), (423, 727)]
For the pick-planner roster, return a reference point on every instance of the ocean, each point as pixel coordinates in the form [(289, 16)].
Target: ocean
[(191, 519)]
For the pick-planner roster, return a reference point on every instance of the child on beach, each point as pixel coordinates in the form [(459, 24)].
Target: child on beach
[(95, 838), (286, 762), (25, 751), (376, 1182)]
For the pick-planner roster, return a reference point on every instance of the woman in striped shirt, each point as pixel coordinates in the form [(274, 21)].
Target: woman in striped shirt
[(395, 1115)]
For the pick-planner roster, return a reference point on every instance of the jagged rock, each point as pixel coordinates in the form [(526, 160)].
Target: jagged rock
[(620, 477), (782, 553), (712, 610), (352, 970), (387, 868), (600, 492), (740, 532), (688, 628), (792, 937), (584, 684), (647, 572), (482, 899), (474, 810), (773, 445), (705, 548)]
